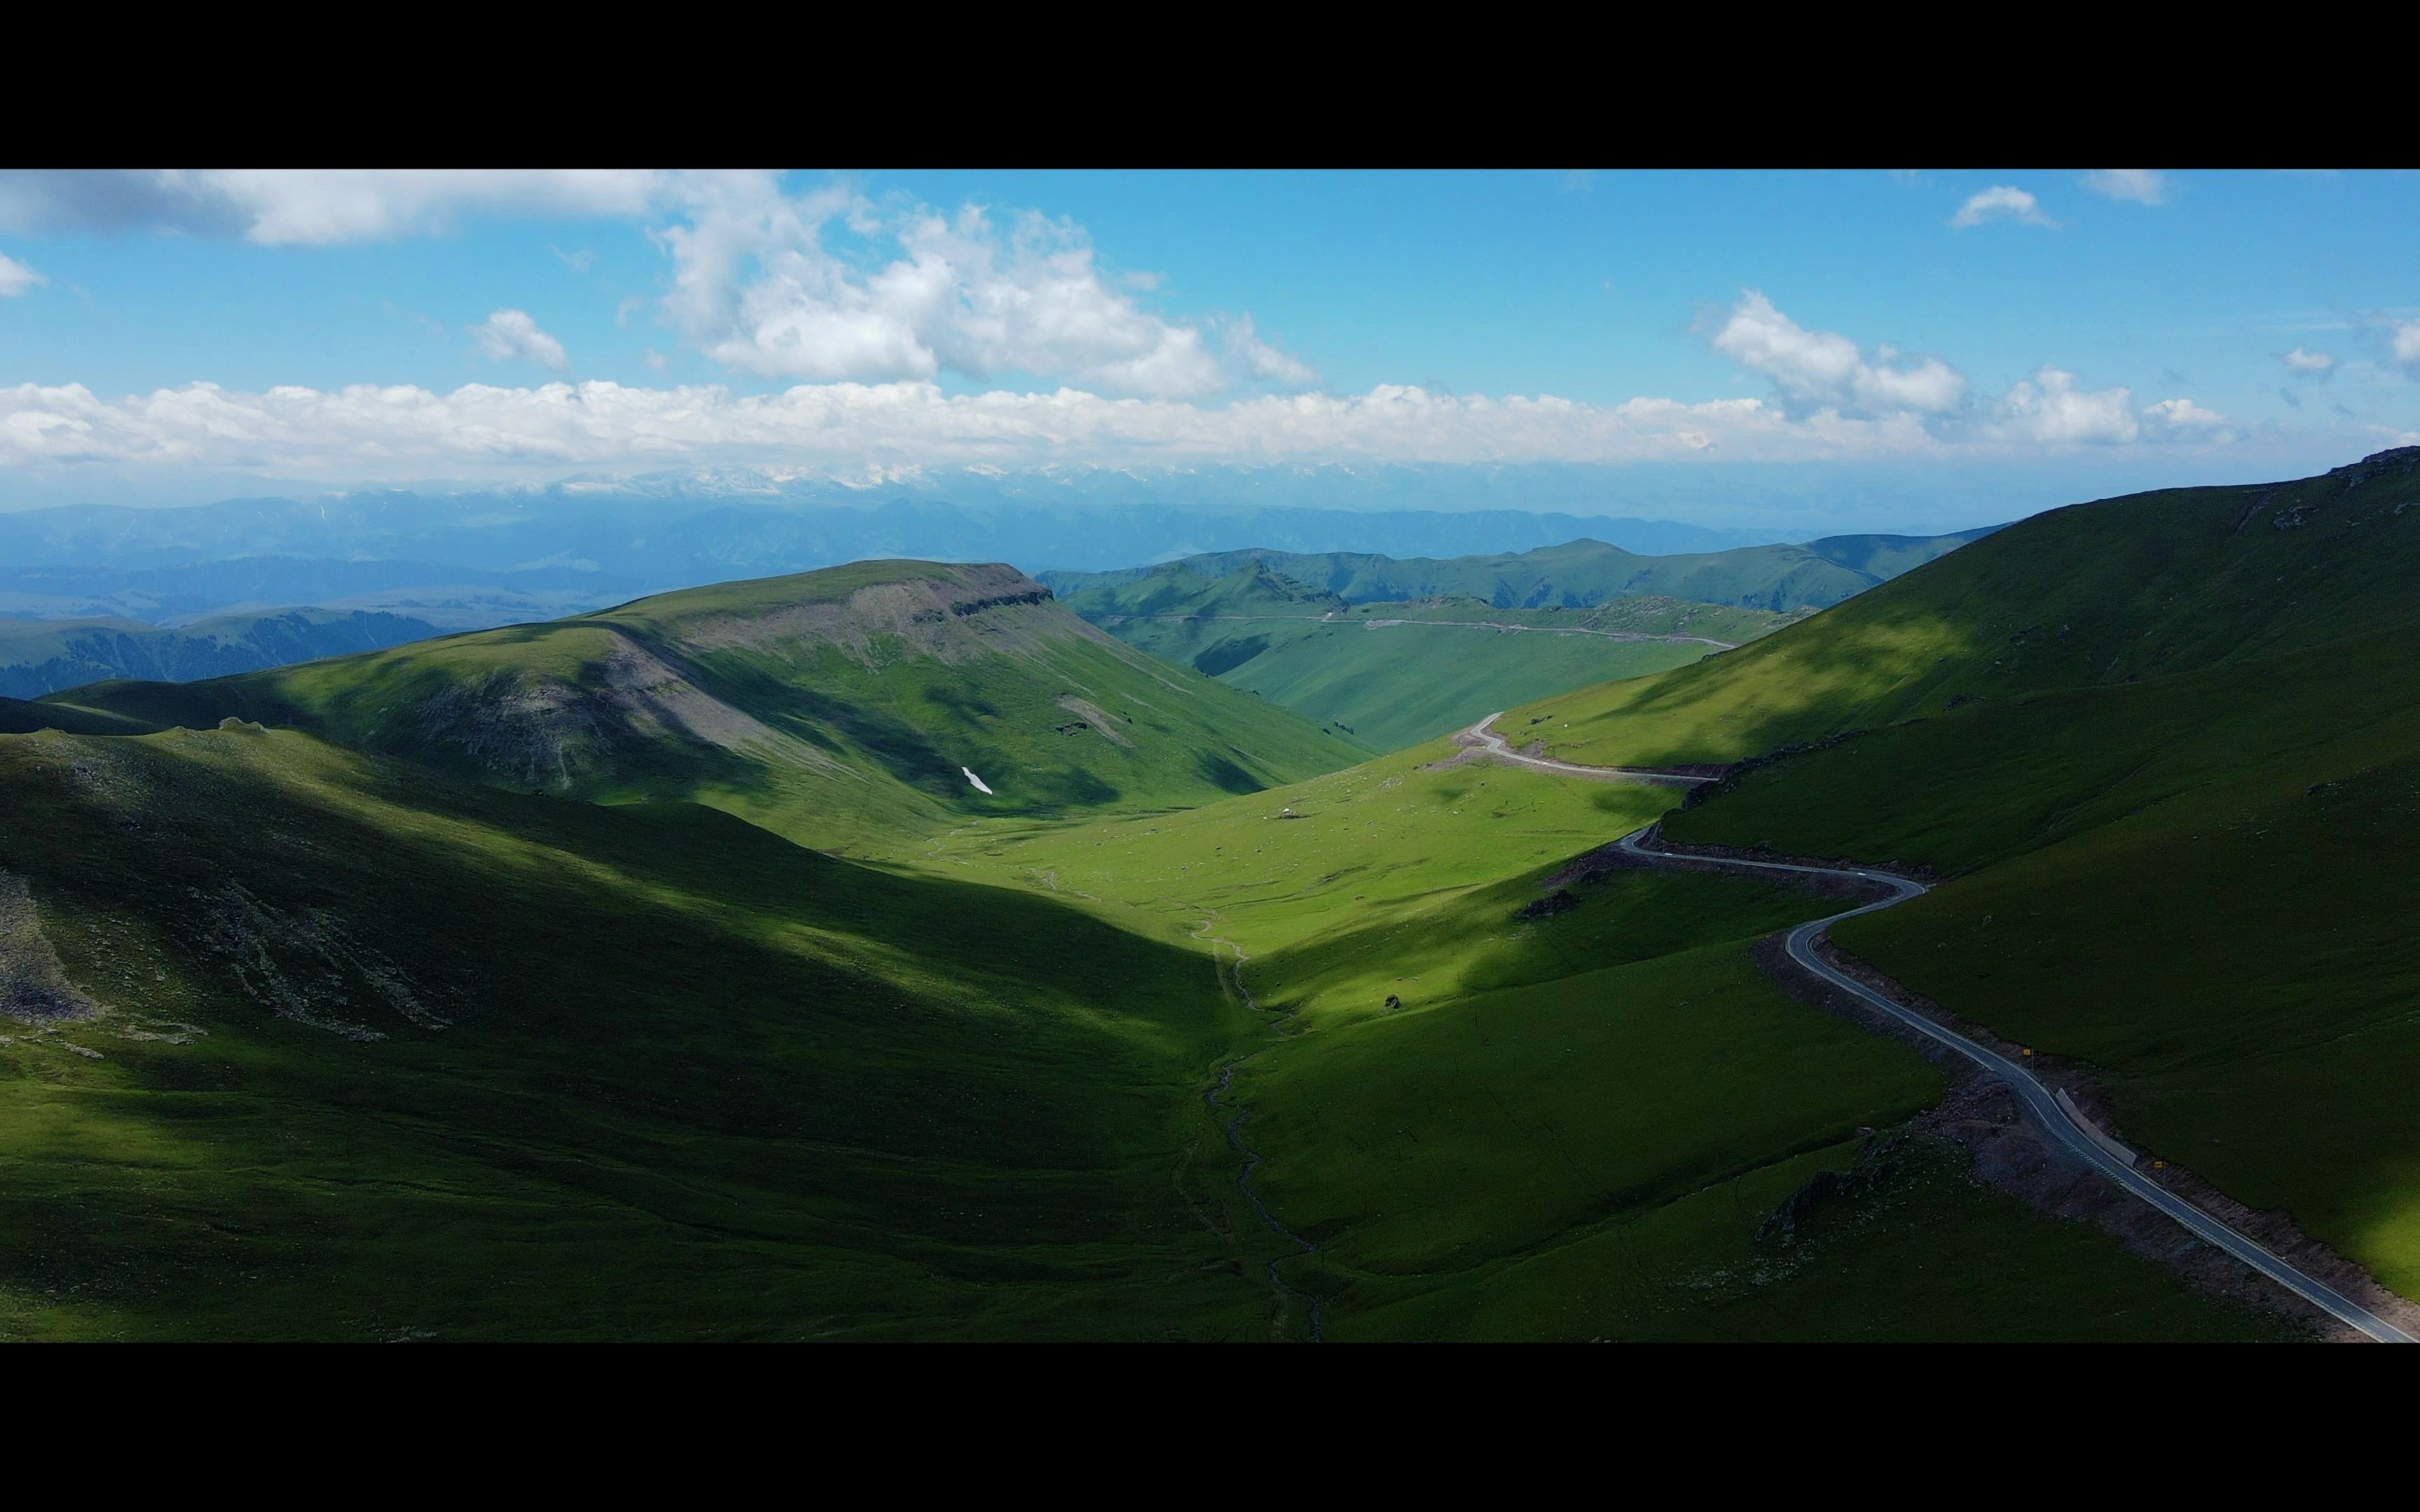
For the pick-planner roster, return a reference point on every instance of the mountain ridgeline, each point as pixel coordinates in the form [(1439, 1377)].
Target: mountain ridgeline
[(1577, 574), (378, 569), (2117, 591), (39, 657), (445, 596), (864, 699), (1398, 651), (682, 537)]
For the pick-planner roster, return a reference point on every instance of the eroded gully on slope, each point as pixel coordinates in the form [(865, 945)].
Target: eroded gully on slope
[(1251, 1158)]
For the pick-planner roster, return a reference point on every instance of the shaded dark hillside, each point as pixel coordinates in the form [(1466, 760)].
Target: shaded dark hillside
[(301, 1043)]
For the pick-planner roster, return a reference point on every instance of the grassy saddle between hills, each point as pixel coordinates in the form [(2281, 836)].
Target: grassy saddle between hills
[(1394, 674)]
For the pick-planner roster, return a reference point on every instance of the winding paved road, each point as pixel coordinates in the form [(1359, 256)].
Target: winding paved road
[(2066, 1129), (1494, 745), (1330, 618)]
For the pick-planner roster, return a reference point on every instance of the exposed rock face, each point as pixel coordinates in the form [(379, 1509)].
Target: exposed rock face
[(650, 678), (33, 988), (2395, 463), (1102, 723), (549, 731), (1560, 900), (306, 965), (540, 732), (951, 614), (2397, 459), (1879, 1160)]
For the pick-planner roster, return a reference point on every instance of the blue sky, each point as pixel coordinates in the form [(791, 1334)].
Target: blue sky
[(160, 332)]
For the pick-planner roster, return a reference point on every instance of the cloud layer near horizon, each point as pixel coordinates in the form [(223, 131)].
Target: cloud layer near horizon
[(868, 304), (371, 432)]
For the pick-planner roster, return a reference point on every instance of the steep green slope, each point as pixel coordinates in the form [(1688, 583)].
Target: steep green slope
[(300, 1043), (39, 657), (1577, 574), (1392, 674), (2093, 594), (2202, 884), (1502, 1121), (2166, 747), (838, 707)]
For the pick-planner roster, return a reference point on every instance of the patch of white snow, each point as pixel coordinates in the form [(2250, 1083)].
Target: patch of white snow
[(976, 781)]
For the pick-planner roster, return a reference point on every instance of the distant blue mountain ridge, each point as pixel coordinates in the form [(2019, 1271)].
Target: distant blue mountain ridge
[(98, 590), (693, 540)]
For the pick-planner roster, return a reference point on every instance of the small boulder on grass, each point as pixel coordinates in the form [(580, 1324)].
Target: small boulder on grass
[(1560, 900)]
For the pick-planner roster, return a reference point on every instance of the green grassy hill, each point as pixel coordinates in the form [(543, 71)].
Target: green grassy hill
[(2094, 594), (1394, 674), (39, 657), (2168, 749), (1575, 574), (832, 706), (302, 1043)]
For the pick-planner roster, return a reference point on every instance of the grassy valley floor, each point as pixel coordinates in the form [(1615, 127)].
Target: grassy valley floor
[(1572, 1124)]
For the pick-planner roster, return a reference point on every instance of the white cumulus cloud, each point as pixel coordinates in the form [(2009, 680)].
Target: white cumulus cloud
[(2406, 342), (2142, 186), (508, 335), (2051, 409), (832, 286), (2308, 362), (2001, 202), (1825, 368), (2184, 414), (16, 278)]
